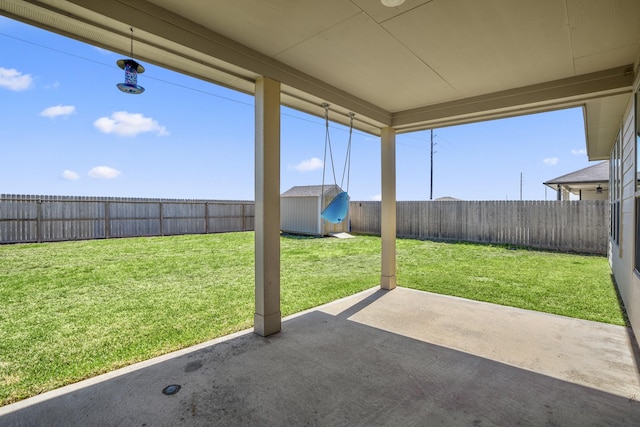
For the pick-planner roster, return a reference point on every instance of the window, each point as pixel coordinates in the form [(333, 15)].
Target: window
[(614, 194), (637, 132)]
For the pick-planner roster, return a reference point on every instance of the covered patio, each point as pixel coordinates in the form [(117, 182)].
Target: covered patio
[(397, 66), (381, 357), (401, 357)]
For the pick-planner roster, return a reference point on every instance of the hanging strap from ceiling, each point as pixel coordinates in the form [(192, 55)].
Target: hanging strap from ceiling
[(347, 159), (346, 171), (327, 143)]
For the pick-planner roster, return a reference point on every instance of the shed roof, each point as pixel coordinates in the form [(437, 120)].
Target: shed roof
[(598, 173), (447, 199), (310, 190)]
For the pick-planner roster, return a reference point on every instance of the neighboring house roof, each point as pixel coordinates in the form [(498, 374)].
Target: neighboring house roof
[(447, 199), (310, 190), (596, 174)]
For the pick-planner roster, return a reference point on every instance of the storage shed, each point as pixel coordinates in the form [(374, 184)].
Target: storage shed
[(300, 209)]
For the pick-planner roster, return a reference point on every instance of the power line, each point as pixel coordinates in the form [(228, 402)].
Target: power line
[(147, 76), (431, 180), (182, 86), (520, 186), (151, 77)]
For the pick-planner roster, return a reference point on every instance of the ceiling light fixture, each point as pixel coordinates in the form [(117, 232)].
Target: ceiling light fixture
[(131, 70), (391, 3)]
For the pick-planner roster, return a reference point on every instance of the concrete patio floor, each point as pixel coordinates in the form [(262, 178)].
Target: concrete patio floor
[(400, 357)]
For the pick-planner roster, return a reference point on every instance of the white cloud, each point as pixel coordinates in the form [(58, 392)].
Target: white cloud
[(376, 198), (309, 165), (13, 79), (551, 161), (58, 110), (102, 51), (579, 152), (123, 123), (104, 172), (70, 175)]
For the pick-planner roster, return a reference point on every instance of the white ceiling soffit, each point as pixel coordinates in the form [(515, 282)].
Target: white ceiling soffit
[(603, 124), (424, 64), (209, 56), (552, 95)]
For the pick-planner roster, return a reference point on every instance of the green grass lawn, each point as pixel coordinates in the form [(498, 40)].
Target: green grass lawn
[(571, 285), (72, 310)]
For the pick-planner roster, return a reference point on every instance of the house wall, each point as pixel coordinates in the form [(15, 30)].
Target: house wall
[(592, 195), (299, 215), (622, 256), (584, 195)]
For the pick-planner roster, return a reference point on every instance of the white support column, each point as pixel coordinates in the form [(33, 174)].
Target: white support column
[(267, 318), (388, 214)]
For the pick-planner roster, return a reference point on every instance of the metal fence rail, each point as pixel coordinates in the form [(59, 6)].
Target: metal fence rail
[(55, 218), (578, 226)]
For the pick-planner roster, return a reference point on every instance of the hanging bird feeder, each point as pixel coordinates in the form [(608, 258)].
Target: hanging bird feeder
[(131, 70)]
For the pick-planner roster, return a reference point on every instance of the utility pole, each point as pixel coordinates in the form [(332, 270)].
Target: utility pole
[(431, 180), (520, 186)]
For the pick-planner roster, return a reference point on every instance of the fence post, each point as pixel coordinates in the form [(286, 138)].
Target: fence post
[(206, 217), (244, 227), (39, 221), (161, 219), (107, 225)]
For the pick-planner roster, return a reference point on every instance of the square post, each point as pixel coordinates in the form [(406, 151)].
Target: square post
[(267, 318), (388, 211)]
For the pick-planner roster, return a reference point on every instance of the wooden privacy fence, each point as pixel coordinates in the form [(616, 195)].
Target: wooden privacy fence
[(55, 218), (578, 226), (556, 225)]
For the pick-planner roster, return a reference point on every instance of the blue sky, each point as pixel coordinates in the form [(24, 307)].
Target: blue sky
[(65, 129)]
